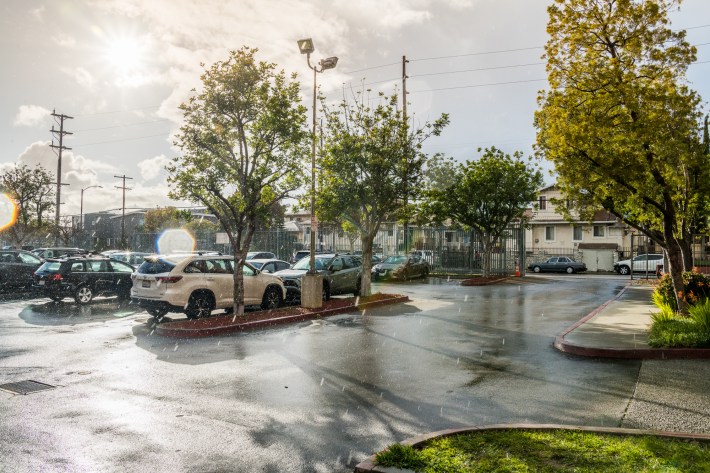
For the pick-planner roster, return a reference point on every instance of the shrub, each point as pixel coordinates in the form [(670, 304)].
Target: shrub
[(700, 313), (666, 313), (696, 285)]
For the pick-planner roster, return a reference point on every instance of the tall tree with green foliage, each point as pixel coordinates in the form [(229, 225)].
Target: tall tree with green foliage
[(157, 220), (33, 194), (244, 146), (619, 121), (485, 195), (371, 162)]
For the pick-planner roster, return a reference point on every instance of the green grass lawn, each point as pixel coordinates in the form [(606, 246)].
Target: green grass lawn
[(550, 451)]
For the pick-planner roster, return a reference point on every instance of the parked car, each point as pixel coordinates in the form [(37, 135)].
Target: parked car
[(341, 275), (134, 258), (17, 268), (401, 267), (260, 255), (83, 277), (426, 255), (57, 252), (641, 263), (561, 264), (198, 284), (269, 265)]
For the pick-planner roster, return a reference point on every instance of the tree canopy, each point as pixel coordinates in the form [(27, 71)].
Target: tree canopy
[(619, 121), (485, 195), (372, 161), (244, 144), (33, 194)]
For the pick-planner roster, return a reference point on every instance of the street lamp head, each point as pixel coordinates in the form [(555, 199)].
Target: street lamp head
[(328, 63), (306, 46)]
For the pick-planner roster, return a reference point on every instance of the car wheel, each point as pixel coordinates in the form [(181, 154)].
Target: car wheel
[(326, 291), (536, 269), (199, 306), (272, 298), (56, 297), (157, 312), (83, 295), (425, 273), (623, 270), (569, 270)]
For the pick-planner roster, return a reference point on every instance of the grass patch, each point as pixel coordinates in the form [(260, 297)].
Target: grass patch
[(549, 451), (678, 332)]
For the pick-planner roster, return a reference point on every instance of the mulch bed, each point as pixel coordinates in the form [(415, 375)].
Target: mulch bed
[(225, 323), (481, 281)]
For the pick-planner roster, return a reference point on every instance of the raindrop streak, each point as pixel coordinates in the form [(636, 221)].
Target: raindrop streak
[(176, 347), (321, 381), (457, 360), (504, 341), (465, 298), (469, 404), (441, 411), (381, 395)]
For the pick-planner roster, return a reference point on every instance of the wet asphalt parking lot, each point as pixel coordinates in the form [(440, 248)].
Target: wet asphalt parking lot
[(318, 396)]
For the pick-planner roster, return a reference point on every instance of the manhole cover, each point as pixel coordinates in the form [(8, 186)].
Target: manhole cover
[(25, 387)]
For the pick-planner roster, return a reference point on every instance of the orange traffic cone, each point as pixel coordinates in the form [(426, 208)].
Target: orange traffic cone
[(517, 270)]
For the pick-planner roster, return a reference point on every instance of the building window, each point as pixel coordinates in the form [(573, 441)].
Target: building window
[(577, 232), (598, 230), (449, 237), (543, 202), (549, 233)]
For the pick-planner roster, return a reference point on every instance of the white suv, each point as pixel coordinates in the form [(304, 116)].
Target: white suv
[(646, 262), (199, 284)]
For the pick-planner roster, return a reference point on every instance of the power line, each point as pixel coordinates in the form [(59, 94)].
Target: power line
[(126, 125)]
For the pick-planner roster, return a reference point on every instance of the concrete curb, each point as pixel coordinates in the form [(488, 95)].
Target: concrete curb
[(195, 329), (368, 465), (623, 353)]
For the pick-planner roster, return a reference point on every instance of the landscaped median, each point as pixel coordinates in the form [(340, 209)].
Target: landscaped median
[(228, 323), (543, 448)]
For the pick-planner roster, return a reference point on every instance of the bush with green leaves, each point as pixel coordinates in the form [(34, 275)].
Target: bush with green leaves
[(697, 289)]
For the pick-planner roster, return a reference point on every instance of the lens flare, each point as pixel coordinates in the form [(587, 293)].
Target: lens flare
[(175, 241), (8, 212)]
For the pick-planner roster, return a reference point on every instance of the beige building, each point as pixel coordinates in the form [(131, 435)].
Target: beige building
[(598, 243)]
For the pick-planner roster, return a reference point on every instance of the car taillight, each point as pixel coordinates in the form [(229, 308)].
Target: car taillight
[(168, 278), (55, 277)]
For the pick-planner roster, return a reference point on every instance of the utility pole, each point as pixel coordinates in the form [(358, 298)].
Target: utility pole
[(123, 209), (406, 136), (59, 134)]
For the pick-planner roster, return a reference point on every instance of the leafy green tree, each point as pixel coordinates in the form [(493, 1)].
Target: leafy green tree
[(371, 159), (33, 194), (157, 220), (244, 144), (619, 121), (485, 195)]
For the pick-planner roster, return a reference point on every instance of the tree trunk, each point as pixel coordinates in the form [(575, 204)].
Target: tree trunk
[(487, 248), (238, 294), (366, 278), (676, 266), (686, 249)]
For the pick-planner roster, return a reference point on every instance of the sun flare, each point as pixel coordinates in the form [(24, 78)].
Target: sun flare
[(126, 54)]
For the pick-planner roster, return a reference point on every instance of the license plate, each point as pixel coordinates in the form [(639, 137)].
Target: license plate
[(41, 282), (145, 283)]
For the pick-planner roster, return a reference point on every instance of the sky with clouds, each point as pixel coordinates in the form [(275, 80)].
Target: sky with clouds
[(120, 68)]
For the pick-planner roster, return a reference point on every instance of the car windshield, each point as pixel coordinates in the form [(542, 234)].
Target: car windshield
[(321, 263), (156, 266), (396, 259)]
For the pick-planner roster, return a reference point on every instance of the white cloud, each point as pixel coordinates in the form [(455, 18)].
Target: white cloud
[(64, 40), (153, 167), (39, 12), (81, 76), (31, 115)]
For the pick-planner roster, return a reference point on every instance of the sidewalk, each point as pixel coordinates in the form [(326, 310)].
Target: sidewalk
[(619, 329)]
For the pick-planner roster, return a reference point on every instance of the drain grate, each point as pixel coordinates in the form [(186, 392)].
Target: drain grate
[(25, 387)]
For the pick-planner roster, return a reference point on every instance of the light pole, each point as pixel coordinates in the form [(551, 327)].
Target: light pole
[(312, 288), (81, 207)]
